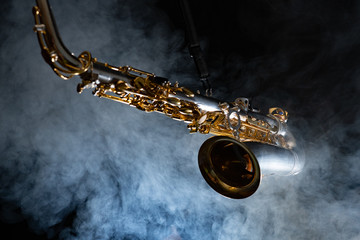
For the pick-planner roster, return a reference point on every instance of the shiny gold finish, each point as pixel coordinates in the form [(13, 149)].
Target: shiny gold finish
[(58, 63), (146, 95), (235, 122), (229, 167), (279, 114)]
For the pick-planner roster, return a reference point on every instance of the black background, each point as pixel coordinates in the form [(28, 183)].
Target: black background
[(302, 56)]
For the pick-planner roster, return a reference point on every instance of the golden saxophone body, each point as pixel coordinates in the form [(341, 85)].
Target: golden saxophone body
[(226, 163)]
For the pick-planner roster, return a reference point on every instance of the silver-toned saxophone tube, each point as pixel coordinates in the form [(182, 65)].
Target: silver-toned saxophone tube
[(236, 172)]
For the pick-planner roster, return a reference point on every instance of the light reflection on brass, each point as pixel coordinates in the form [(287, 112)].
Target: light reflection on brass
[(147, 92)]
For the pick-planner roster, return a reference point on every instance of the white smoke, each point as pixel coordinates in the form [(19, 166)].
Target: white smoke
[(79, 167)]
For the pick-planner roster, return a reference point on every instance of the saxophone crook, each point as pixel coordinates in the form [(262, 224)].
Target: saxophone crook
[(226, 161)]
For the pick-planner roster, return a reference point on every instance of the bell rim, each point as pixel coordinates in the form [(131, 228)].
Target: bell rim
[(215, 182)]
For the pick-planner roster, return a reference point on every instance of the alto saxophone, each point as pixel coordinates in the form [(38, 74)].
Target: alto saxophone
[(226, 163)]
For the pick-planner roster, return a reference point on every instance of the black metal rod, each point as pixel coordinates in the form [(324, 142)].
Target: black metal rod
[(194, 46)]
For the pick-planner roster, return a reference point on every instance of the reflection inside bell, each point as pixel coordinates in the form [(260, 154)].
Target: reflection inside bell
[(232, 164)]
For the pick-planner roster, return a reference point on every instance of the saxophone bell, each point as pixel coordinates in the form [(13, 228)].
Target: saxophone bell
[(233, 170), (229, 167)]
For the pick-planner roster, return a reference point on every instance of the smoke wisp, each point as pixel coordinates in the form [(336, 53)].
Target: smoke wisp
[(79, 167)]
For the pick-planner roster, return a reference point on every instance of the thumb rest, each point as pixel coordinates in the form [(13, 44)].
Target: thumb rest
[(237, 175)]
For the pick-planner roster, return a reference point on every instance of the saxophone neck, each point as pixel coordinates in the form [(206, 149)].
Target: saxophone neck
[(53, 50)]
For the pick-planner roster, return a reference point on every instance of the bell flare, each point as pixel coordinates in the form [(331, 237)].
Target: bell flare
[(229, 167)]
